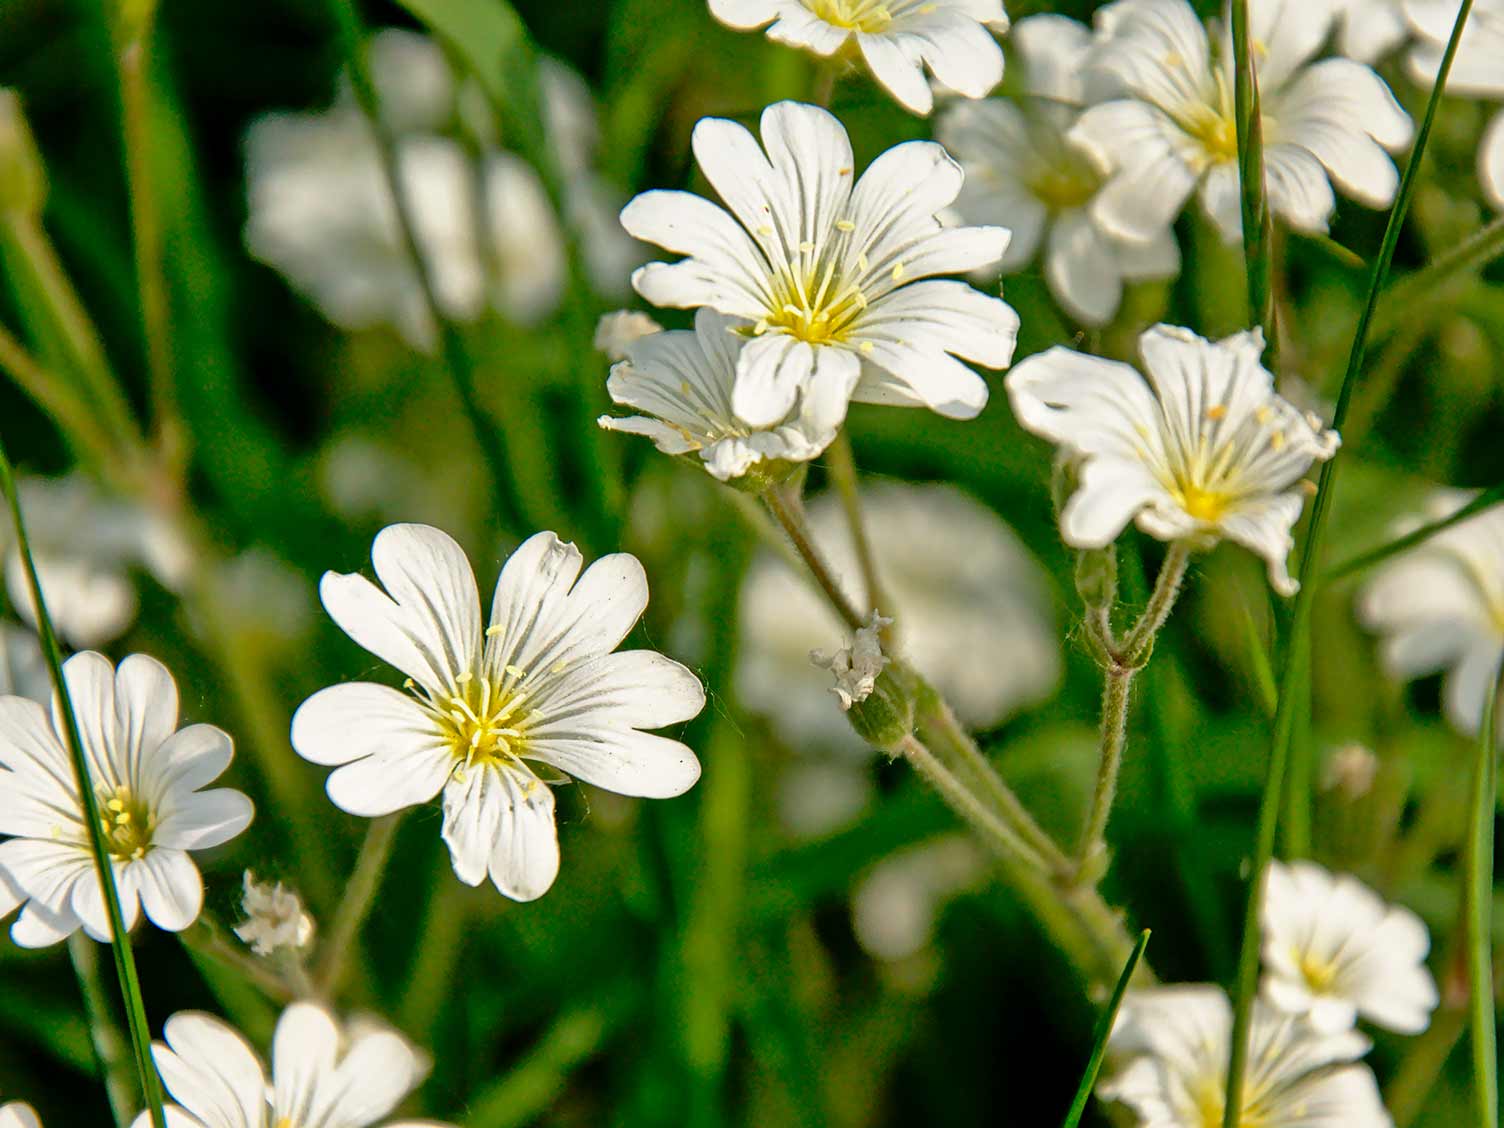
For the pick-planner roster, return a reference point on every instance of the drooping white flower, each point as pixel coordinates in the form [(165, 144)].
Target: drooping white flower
[(1478, 70), (858, 666), (1440, 606), (1023, 172), (1333, 950), (323, 1073), (23, 671), (1175, 1043), (540, 685), (835, 279), (896, 38), (275, 917), (84, 545), (19, 1114), (971, 604), (1168, 128), (684, 382), (615, 331), (147, 776), (1202, 450)]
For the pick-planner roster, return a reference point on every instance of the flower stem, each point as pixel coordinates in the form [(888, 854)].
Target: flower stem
[(111, 1049), (784, 504), (120, 942), (842, 465), (360, 895), (1140, 639), (1258, 234), (1477, 913)]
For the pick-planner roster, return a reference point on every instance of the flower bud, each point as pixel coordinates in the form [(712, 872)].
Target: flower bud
[(885, 717), (1097, 577), (23, 183)]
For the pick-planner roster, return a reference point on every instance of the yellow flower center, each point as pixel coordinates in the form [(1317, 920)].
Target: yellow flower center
[(1202, 504), (1216, 133), (858, 15), (127, 824), (1211, 1099), (484, 721), (1319, 974), (1065, 185), (814, 298)]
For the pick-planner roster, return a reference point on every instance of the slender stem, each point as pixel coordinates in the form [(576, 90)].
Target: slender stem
[(1116, 689), (1141, 636), (120, 943), (111, 1049), (788, 511), (842, 465), (1398, 301), (441, 940), (1485, 500), (360, 895), (1103, 1032), (58, 400), (1258, 240), (207, 941), (1284, 721), (456, 357), (1479, 877)]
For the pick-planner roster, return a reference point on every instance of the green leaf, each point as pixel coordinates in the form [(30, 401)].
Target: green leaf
[(1103, 1032)]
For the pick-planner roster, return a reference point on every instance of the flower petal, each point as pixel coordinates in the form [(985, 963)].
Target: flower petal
[(172, 893), (211, 1070)]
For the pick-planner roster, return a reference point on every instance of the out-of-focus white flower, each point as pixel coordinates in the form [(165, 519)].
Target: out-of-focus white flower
[(541, 684), (1203, 450), (84, 545), (1169, 127), (835, 280), (684, 381), (19, 1114), (972, 609), (1333, 950), (275, 917), (1440, 606), (1350, 771), (856, 667), (1477, 70), (23, 670), (323, 1073), (896, 38), (267, 598), (1368, 30), (821, 794), (147, 775), (1176, 1042), (893, 908), (1024, 174), (615, 331)]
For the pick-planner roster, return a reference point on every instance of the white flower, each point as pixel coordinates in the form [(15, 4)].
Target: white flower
[(23, 670), (615, 331), (1169, 128), (1177, 1039), (323, 1074), (1368, 30), (147, 774), (1477, 70), (893, 907), (971, 604), (275, 917), (684, 381), (1491, 162), (834, 278), (1333, 950), (1440, 606), (1023, 172), (84, 545), (18, 1114), (540, 684), (1203, 450), (856, 667), (897, 38)]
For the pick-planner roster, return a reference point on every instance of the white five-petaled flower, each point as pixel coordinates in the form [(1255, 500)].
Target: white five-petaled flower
[(18, 1114), (1023, 172), (324, 1074), (540, 685), (835, 279), (1333, 950), (1478, 70), (146, 773), (1203, 450), (1169, 127), (1174, 1043), (1440, 606), (897, 38), (684, 380)]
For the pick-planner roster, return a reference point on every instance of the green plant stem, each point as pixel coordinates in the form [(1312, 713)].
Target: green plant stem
[(784, 504), (1103, 1032), (1478, 872), (1398, 302), (111, 1048), (57, 399), (457, 358), (360, 894), (1284, 721), (207, 941), (1485, 500), (842, 465), (441, 939), (1258, 230), (120, 943), (1140, 639), (1300, 777)]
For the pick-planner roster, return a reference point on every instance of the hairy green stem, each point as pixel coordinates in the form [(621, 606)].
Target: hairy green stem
[(784, 504), (842, 465)]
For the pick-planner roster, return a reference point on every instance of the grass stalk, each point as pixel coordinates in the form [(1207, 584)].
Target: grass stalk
[(1364, 560), (120, 942), (1258, 228), (1300, 627), (1102, 1033), (1479, 877)]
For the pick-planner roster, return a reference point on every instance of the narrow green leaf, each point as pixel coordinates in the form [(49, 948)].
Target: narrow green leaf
[(1474, 252), (1258, 227), (1103, 1032), (120, 941), (1479, 871), (1485, 500)]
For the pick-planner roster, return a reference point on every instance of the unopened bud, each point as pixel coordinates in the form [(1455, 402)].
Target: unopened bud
[(1097, 577), (885, 717), (23, 182)]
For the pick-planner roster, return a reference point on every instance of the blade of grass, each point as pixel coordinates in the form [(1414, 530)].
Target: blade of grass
[(1103, 1031), (120, 942), (1258, 227), (1476, 250), (1479, 870), (1285, 719), (1485, 500)]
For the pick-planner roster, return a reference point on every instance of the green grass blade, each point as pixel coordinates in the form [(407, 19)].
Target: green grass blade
[(1300, 628), (120, 942), (1478, 892), (1258, 227), (1477, 250), (1103, 1032), (1485, 500)]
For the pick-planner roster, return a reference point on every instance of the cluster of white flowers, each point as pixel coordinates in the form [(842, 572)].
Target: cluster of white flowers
[(1333, 951)]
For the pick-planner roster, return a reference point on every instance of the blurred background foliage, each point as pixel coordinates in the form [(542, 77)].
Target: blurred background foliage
[(697, 962)]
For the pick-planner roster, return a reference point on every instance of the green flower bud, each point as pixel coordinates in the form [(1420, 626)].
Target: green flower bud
[(885, 717)]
